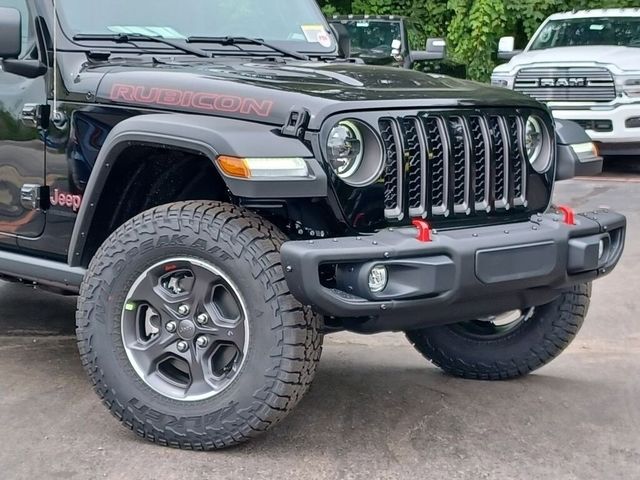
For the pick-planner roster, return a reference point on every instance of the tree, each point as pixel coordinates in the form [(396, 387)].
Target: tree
[(472, 27)]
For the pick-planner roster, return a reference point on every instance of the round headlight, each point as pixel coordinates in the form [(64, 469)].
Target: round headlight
[(345, 148), (355, 153), (535, 142)]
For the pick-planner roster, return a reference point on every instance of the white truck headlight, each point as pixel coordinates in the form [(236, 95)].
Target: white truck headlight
[(631, 88), (498, 81)]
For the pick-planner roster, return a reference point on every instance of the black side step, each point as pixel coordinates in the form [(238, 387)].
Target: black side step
[(46, 272)]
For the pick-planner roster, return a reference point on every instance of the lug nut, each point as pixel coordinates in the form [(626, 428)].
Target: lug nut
[(183, 310), (202, 318), (171, 327), (182, 346), (202, 341)]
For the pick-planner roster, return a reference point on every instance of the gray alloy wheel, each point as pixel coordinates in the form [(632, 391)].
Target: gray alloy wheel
[(185, 329), (494, 326)]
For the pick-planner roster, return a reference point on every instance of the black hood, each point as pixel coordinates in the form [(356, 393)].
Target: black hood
[(267, 91)]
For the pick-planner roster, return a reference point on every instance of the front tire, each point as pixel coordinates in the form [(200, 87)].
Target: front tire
[(489, 350), (188, 331)]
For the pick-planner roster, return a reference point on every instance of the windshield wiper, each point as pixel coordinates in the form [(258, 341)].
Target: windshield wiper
[(236, 41), (132, 37)]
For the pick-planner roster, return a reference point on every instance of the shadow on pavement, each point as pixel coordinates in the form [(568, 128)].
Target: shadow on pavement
[(28, 311), (621, 165)]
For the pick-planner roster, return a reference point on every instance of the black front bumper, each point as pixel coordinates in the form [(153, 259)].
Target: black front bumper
[(459, 275)]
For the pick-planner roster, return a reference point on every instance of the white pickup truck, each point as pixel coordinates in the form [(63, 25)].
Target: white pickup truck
[(586, 66)]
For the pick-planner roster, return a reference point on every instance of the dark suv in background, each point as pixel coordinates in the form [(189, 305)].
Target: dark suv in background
[(392, 40)]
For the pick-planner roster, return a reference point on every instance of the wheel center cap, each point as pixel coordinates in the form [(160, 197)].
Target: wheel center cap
[(187, 329)]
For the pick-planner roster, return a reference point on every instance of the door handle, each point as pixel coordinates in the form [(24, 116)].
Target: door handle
[(30, 115), (32, 195)]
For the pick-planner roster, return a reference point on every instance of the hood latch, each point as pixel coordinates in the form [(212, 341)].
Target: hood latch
[(296, 124)]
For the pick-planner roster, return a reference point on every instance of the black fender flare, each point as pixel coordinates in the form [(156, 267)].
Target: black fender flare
[(210, 137), (570, 163)]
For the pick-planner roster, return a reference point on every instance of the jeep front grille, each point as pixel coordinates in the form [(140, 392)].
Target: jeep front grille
[(453, 164), (567, 84)]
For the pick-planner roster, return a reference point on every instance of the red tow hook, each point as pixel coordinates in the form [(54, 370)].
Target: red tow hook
[(568, 214), (424, 230)]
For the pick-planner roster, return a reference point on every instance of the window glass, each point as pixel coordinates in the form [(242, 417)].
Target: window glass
[(376, 36), (600, 31), (297, 23)]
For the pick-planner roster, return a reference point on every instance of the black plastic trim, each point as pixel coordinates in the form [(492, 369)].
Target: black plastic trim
[(47, 272), (210, 137), (571, 164), (537, 268)]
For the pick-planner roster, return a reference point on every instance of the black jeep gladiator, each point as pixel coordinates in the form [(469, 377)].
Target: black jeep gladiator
[(222, 188), (386, 40)]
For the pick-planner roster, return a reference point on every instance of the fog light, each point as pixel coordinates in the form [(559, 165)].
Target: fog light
[(633, 122), (601, 250), (378, 278)]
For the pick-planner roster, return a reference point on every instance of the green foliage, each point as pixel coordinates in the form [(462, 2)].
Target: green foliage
[(472, 27)]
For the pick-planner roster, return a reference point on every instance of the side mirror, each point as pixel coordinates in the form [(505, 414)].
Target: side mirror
[(436, 50), (11, 46), (342, 36), (10, 33), (506, 48), (437, 46)]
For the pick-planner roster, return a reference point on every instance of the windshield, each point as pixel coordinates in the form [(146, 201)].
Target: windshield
[(614, 31), (372, 40), (296, 24)]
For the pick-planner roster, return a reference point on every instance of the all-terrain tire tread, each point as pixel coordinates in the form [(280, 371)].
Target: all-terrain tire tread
[(295, 359), (567, 318)]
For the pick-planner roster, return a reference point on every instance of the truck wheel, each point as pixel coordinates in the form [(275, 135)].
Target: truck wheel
[(188, 331), (505, 346)]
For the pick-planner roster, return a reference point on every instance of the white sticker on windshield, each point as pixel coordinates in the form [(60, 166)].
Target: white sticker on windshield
[(324, 39), (316, 34), (596, 27), (362, 24), (165, 32)]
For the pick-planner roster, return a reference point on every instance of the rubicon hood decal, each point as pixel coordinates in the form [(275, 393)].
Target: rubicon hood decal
[(204, 101)]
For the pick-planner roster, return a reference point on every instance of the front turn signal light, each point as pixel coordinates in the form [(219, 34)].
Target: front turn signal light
[(234, 166), (585, 148), (267, 167)]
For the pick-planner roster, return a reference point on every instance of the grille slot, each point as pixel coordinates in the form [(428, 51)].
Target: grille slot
[(393, 171), (570, 84), (416, 176), (439, 166), (453, 165)]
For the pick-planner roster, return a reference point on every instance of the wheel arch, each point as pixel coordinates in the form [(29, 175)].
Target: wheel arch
[(138, 142)]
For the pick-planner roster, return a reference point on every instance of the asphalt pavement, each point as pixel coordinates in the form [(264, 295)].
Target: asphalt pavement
[(376, 410)]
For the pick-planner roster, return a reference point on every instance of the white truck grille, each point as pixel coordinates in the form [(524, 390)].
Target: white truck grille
[(567, 84)]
